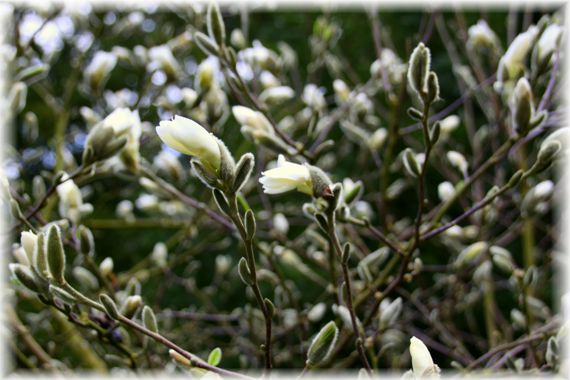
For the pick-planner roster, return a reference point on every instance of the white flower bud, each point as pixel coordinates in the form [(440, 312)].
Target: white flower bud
[(162, 57), (449, 124), (317, 312), (189, 96), (285, 177), (159, 254), (481, 36), (268, 80), (98, 70), (378, 138), (28, 242), (223, 263), (314, 98), (422, 363), (280, 223), (457, 160), (445, 190), (253, 119), (147, 202), (512, 63), (71, 204), (21, 256), (189, 137), (275, 95), (237, 39), (549, 41), (206, 74), (106, 266), (341, 91)]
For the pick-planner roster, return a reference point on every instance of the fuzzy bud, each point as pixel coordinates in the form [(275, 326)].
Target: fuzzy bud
[(322, 344)]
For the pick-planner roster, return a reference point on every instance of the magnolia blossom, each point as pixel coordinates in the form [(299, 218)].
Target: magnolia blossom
[(189, 137), (28, 241), (458, 160), (445, 190), (162, 57), (71, 204), (268, 80), (480, 35), (513, 61), (125, 122), (313, 97), (277, 94), (422, 363), (252, 119), (98, 70), (285, 177), (549, 40)]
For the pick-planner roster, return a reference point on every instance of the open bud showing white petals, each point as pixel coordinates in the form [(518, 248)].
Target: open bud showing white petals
[(188, 137), (250, 118), (449, 124), (71, 204), (445, 190), (276, 95), (457, 160), (106, 266), (548, 42), (422, 363), (511, 64), (341, 91), (237, 39), (522, 107), (163, 59), (28, 242), (99, 69), (314, 98), (481, 37), (285, 177)]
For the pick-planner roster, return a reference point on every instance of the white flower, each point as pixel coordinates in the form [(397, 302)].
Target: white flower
[(159, 254), (549, 40), (146, 202), (189, 137), (189, 96), (162, 57), (268, 80), (341, 91), (28, 242), (449, 124), (206, 74), (71, 204), (445, 190), (98, 70), (313, 97), (422, 363), (285, 177), (378, 138), (106, 266), (252, 119), (458, 160), (480, 35), (274, 95), (280, 223), (513, 60), (125, 122), (124, 209)]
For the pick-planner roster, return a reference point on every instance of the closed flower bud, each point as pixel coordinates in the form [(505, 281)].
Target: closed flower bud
[(206, 44), (449, 124), (276, 95), (215, 24), (522, 108), (110, 306), (512, 62), (389, 311), (39, 261), (25, 275), (410, 163), (163, 59), (547, 152), (131, 305), (17, 96), (471, 253), (106, 266), (322, 344), (250, 118), (71, 204), (314, 98), (149, 319), (422, 363), (28, 241), (548, 43), (188, 137), (99, 69), (341, 91), (481, 37), (280, 223), (502, 259), (85, 278), (457, 160), (159, 255), (55, 255), (445, 190), (237, 39), (285, 177), (418, 69)]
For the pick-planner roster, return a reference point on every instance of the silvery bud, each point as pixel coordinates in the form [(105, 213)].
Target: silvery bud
[(17, 96), (237, 39), (215, 24), (322, 344), (55, 255), (389, 311), (418, 69), (110, 306), (522, 108), (149, 319), (471, 253), (410, 163)]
